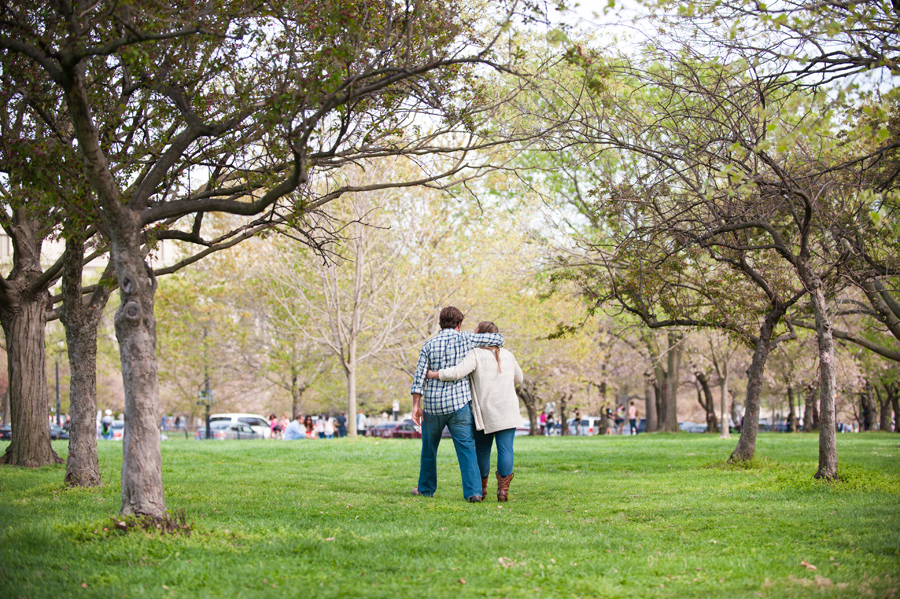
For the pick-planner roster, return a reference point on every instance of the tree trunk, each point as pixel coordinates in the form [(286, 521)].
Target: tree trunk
[(81, 321), (135, 322), (563, 416), (23, 315), (24, 326), (704, 396), (809, 411), (893, 391), (746, 447), (868, 408), (884, 410), (650, 404), (529, 398), (4, 418), (723, 390), (792, 414), (661, 402), (670, 423), (351, 387), (827, 432)]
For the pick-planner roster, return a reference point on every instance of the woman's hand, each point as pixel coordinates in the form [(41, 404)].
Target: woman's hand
[(432, 374)]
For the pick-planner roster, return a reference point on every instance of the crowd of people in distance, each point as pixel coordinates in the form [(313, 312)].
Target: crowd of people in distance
[(321, 426)]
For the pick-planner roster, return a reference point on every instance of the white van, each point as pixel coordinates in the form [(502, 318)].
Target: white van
[(258, 423)]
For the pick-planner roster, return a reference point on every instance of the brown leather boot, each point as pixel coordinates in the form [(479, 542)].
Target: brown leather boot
[(503, 486), (484, 485)]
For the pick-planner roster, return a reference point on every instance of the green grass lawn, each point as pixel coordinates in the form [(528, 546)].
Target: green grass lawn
[(645, 516)]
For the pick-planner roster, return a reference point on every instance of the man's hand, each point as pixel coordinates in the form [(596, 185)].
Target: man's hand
[(432, 374), (417, 409)]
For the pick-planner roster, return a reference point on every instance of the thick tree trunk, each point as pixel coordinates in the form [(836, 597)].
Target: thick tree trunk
[(746, 447), (24, 325), (809, 409), (792, 414), (142, 488), (23, 314), (670, 423), (81, 322)]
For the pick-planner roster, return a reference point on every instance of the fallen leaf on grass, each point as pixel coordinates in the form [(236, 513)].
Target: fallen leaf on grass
[(84, 585), (462, 581), (808, 565), (330, 539)]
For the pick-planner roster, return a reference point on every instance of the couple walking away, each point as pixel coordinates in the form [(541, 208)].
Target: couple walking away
[(466, 382)]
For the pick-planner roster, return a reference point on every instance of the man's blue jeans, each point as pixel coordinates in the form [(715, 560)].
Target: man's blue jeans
[(461, 428), (504, 441)]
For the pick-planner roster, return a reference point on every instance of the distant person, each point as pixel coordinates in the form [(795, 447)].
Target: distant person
[(620, 418), (543, 422), (328, 427), (309, 428), (284, 421), (361, 424), (549, 425), (438, 404), (320, 426), (275, 429), (495, 374), (106, 423), (340, 422), (294, 430), (632, 417), (576, 422)]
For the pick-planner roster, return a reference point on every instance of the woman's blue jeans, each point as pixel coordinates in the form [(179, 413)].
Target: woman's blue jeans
[(483, 442)]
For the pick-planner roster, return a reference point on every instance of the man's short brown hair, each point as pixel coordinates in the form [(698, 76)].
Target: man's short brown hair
[(451, 317)]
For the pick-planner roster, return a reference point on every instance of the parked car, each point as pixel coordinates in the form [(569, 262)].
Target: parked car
[(525, 428), (258, 423), (225, 429), (396, 430), (590, 425), (57, 432), (6, 432), (118, 430)]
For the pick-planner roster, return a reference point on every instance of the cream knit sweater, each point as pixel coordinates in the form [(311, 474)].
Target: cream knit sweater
[(495, 404)]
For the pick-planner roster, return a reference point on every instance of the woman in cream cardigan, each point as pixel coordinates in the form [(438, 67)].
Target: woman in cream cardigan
[(495, 406)]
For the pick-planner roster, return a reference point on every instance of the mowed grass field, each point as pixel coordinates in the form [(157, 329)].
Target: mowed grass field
[(646, 516)]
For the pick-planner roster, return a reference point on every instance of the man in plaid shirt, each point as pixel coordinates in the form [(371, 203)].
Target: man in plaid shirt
[(446, 403)]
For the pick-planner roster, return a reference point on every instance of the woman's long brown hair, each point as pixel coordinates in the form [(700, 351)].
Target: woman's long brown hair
[(486, 326)]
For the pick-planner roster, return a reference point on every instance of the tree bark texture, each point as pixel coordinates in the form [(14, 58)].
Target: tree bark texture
[(81, 321), (827, 431), (563, 413), (24, 325), (4, 417), (135, 322), (23, 315), (894, 392), (746, 447), (670, 423)]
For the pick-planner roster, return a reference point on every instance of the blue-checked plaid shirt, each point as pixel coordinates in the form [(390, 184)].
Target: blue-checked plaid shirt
[(444, 350)]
